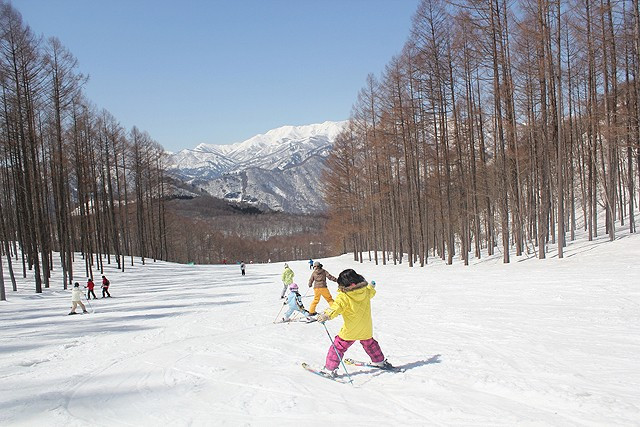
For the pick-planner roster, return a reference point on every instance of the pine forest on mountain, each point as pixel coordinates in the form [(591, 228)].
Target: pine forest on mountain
[(500, 125)]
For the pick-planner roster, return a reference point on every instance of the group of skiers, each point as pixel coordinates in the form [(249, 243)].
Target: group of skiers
[(353, 302), (76, 294)]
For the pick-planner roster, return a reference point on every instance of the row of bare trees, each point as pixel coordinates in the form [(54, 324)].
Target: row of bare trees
[(71, 178), (200, 235), (499, 124)]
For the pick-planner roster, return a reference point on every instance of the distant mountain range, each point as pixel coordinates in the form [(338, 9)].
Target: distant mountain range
[(280, 170)]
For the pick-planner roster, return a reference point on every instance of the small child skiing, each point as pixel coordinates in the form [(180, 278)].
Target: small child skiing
[(105, 287), (287, 279), (76, 299), (90, 286), (353, 302), (294, 300)]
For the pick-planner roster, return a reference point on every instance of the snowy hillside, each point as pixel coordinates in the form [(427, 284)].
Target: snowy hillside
[(535, 342), (291, 160), (294, 189)]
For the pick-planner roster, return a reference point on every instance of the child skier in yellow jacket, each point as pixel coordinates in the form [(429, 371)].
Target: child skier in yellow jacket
[(353, 302)]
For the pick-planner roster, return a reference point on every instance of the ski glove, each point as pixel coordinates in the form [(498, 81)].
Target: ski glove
[(322, 318)]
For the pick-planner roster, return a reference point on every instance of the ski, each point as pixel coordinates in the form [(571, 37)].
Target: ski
[(354, 362), (319, 373), (301, 320)]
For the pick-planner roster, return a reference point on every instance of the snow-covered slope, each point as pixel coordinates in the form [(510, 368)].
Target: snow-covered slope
[(535, 342), (294, 189), (279, 170)]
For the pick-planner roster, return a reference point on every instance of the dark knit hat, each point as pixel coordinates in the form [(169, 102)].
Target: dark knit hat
[(349, 277)]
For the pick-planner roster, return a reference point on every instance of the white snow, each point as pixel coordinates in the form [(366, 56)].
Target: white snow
[(262, 150), (534, 342)]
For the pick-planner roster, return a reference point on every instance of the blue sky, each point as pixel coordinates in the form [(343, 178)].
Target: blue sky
[(221, 71)]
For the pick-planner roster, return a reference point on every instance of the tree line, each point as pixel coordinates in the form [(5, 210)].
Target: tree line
[(211, 231), (72, 179), (498, 127)]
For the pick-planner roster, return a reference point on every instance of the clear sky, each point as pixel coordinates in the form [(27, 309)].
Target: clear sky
[(221, 71)]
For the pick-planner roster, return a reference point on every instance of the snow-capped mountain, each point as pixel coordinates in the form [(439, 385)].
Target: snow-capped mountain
[(279, 170)]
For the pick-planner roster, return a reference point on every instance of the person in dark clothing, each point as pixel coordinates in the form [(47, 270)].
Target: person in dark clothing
[(105, 287), (242, 267)]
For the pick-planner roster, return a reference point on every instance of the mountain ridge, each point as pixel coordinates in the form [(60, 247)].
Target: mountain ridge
[(279, 170)]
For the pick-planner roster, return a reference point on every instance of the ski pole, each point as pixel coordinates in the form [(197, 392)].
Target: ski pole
[(85, 298), (278, 315), (337, 353)]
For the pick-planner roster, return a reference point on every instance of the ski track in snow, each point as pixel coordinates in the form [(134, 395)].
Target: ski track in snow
[(535, 342)]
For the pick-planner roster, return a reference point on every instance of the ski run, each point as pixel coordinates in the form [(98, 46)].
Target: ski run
[(534, 342)]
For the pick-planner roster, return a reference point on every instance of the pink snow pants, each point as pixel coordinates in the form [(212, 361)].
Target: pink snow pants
[(371, 346)]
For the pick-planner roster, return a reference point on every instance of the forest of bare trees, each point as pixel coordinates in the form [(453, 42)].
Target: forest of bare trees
[(501, 127), (206, 230), (73, 182)]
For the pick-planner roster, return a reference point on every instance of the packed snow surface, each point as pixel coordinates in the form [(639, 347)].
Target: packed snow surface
[(533, 342)]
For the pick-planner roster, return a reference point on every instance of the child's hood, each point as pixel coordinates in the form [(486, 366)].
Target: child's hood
[(357, 292)]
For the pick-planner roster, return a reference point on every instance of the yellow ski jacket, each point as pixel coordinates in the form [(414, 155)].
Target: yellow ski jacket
[(287, 276), (354, 304)]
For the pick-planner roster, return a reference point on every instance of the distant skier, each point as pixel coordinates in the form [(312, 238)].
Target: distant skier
[(242, 267), (310, 264), (90, 286), (76, 299), (287, 278), (294, 300), (105, 287), (318, 280), (353, 302)]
